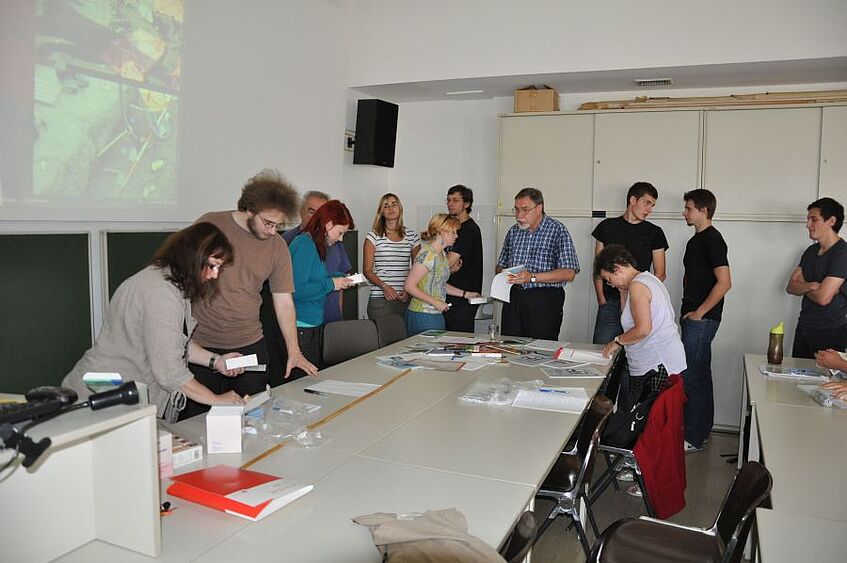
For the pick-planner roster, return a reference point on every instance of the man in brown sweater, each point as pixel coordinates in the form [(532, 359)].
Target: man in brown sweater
[(230, 323)]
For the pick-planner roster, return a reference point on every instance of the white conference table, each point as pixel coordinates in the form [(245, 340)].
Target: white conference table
[(804, 446), (414, 446)]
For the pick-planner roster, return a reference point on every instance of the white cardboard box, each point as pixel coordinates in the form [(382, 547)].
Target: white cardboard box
[(223, 429)]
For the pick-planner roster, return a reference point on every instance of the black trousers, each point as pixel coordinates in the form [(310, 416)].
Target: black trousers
[(248, 383), (534, 313), (461, 314), (807, 340), (310, 340)]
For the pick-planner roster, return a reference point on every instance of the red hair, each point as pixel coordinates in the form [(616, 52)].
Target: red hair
[(332, 211)]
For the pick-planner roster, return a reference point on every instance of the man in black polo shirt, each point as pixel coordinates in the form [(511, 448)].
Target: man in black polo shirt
[(644, 240), (819, 279), (465, 258), (705, 282)]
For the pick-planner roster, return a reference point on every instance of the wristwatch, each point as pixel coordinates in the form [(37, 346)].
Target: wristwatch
[(212, 360), (617, 340), (533, 278)]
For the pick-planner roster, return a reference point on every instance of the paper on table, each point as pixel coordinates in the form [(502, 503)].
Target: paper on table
[(545, 345), (500, 286), (456, 340), (557, 399), (570, 372), (347, 388), (593, 356), (532, 359), (472, 363), (793, 373)]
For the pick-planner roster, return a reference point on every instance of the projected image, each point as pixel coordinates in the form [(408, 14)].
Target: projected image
[(106, 100)]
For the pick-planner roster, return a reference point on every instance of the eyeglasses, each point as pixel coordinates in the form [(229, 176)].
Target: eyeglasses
[(213, 267), (269, 224), (524, 210)]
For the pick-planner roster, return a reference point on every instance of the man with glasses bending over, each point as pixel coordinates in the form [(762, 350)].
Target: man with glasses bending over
[(545, 248), (230, 323)]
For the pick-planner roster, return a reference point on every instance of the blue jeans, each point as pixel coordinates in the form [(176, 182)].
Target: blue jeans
[(608, 323), (416, 322), (697, 339)]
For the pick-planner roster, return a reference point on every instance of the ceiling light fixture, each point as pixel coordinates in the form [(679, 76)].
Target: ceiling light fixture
[(464, 92)]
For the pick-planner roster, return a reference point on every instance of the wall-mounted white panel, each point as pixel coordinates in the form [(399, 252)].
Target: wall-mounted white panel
[(662, 148), (833, 165), (550, 153), (763, 160)]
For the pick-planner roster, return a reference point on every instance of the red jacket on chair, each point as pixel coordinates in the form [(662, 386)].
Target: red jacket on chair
[(660, 452)]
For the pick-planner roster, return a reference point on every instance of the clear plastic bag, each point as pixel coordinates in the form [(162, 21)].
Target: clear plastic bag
[(501, 392), (284, 419)]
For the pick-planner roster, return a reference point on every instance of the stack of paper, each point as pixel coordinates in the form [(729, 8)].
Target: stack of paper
[(558, 399), (590, 356)]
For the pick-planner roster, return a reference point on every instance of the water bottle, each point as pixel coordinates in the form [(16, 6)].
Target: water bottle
[(775, 344)]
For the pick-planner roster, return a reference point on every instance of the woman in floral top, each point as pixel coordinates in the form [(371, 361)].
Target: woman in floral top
[(427, 280)]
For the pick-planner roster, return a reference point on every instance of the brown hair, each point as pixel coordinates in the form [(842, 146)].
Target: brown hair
[(269, 190), (379, 221), (185, 253)]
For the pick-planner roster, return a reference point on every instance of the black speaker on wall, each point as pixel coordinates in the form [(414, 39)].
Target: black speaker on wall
[(376, 131)]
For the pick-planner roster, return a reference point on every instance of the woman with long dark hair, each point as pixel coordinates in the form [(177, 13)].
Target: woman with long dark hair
[(147, 333), (312, 282)]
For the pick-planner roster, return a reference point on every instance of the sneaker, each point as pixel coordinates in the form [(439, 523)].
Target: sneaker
[(689, 449), (625, 475), (634, 491)]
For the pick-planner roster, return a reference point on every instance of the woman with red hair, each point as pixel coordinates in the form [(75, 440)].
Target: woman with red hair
[(312, 282)]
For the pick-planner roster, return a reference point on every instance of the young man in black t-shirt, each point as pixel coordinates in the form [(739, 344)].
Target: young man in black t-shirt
[(819, 279), (644, 240), (705, 282), (465, 258)]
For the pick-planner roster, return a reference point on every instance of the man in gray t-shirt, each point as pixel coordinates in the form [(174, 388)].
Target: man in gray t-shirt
[(819, 279)]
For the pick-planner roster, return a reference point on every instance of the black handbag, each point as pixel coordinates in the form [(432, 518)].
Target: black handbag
[(624, 427)]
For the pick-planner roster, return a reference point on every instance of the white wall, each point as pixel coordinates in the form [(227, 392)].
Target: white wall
[(439, 144), (450, 39)]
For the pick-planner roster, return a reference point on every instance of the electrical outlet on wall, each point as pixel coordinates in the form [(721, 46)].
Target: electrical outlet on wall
[(349, 140)]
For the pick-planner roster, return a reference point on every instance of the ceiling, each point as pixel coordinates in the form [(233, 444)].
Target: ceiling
[(768, 73)]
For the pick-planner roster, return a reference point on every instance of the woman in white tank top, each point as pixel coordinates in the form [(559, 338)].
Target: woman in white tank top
[(651, 337)]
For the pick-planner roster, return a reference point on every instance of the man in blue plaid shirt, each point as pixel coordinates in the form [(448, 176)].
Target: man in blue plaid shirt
[(545, 248)]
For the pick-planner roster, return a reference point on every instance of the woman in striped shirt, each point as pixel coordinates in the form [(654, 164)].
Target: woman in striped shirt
[(388, 252)]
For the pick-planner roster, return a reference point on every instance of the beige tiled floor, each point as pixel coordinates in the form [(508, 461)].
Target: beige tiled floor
[(708, 476)]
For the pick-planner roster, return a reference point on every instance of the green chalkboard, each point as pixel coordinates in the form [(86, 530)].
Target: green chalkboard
[(128, 253), (45, 308)]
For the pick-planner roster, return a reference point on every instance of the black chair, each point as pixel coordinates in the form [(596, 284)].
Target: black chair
[(343, 340), (523, 536), (645, 539), (390, 329), (566, 482)]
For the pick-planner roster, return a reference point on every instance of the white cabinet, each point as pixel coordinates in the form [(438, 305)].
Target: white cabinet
[(662, 148), (98, 480), (833, 164), (763, 161), (550, 153)]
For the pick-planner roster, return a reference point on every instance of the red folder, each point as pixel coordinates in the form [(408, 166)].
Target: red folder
[(241, 492)]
